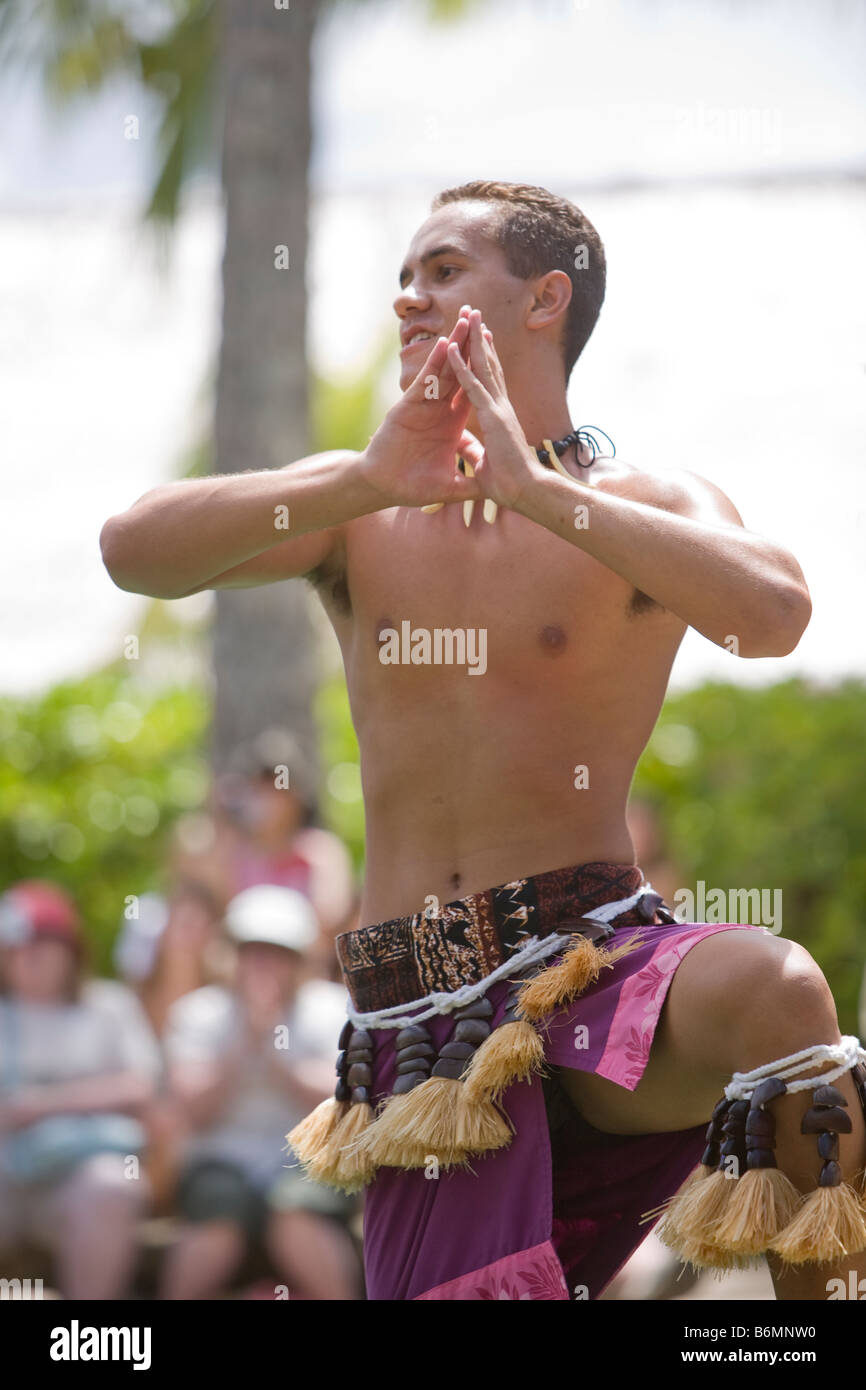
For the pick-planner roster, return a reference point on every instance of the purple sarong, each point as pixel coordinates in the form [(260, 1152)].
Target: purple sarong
[(556, 1213)]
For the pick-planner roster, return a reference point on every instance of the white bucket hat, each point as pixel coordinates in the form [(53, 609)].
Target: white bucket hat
[(269, 913)]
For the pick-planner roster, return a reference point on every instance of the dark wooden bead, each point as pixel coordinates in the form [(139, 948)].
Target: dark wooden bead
[(408, 1082), (359, 1054), (406, 1054), (361, 1038), (449, 1067), (760, 1158), (833, 1118), (828, 1145), (482, 1008), (360, 1095), (472, 1030), (345, 1034), (414, 1064), (457, 1051), (828, 1095), (720, 1107), (343, 1090), (730, 1146), (510, 1016), (711, 1155), (416, 1032), (360, 1074), (713, 1131), (830, 1175), (768, 1090), (759, 1141), (342, 1064), (739, 1110), (733, 1128), (761, 1122)]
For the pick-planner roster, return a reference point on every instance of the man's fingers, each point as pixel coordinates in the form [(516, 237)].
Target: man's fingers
[(436, 360), (471, 448), (472, 387), (479, 353)]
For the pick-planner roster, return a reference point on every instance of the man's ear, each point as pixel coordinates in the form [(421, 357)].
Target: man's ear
[(550, 299)]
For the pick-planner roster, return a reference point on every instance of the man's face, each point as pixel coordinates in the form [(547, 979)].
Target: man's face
[(451, 262)]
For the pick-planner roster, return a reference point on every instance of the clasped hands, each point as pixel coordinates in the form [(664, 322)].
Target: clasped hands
[(412, 458)]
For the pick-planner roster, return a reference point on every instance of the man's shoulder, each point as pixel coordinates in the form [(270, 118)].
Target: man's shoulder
[(670, 489)]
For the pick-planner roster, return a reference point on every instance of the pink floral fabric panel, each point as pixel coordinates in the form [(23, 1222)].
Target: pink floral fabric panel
[(532, 1275), (640, 1003)]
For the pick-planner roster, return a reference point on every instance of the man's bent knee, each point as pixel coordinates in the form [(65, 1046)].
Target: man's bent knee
[(740, 999)]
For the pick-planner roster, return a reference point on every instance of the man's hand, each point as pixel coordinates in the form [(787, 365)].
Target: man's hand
[(508, 465), (411, 459)]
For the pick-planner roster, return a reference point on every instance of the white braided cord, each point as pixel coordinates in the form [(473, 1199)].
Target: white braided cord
[(533, 950), (846, 1054)]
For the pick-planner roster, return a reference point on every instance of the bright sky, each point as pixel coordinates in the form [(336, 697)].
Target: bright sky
[(731, 341)]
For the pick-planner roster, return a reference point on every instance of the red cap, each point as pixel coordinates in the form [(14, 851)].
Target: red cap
[(34, 908)]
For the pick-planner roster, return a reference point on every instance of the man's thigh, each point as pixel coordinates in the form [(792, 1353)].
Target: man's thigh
[(721, 984)]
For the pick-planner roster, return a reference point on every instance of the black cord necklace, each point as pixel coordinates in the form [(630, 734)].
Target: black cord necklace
[(584, 435)]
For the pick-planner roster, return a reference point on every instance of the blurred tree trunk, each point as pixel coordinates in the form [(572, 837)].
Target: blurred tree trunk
[(263, 654)]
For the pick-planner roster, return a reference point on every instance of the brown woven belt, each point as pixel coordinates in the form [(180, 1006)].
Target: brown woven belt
[(407, 958)]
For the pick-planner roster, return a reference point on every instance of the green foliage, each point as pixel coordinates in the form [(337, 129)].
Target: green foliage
[(762, 788), (92, 777), (342, 806), (346, 412)]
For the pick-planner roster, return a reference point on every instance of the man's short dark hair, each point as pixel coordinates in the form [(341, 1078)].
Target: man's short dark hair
[(540, 232)]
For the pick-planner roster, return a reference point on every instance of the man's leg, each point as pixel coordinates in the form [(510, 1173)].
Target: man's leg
[(738, 1000)]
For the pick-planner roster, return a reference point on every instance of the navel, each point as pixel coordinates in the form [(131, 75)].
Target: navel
[(553, 640)]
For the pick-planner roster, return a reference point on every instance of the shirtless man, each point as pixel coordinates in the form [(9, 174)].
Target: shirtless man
[(584, 586)]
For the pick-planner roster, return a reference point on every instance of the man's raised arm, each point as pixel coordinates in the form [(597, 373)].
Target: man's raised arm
[(236, 529), (239, 529)]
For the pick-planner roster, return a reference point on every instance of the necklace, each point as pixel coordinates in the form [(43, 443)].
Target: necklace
[(549, 454)]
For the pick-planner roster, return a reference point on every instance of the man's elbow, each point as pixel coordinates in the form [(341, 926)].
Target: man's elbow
[(783, 623), (117, 552)]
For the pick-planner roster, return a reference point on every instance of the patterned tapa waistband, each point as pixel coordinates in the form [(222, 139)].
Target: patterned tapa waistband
[(407, 958)]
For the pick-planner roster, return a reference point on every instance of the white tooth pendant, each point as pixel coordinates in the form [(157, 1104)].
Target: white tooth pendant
[(433, 507), (555, 461), (489, 510), (468, 507)]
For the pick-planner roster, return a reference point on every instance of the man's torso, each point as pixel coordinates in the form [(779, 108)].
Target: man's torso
[(471, 779)]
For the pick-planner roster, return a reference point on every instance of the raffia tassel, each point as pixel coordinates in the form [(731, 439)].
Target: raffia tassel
[(664, 1208), (309, 1137), (702, 1255), (763, 1203), (480, 1126), (512, 1052), (694, 1212), (828, 1226), (343, 1163), (579, 968), (411, 1127)]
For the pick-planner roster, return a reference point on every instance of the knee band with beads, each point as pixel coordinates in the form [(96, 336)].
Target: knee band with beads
[(738, 1205)]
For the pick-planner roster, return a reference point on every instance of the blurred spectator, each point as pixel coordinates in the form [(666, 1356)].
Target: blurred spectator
[(77, 1063), (166, 950), (171, 947), (261, 831), (249, 1062)]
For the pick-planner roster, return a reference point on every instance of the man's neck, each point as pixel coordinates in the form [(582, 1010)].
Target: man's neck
[(541, 408)]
